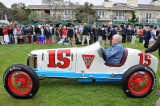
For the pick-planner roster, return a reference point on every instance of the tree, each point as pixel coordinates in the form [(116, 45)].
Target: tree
[(33, 16), (56, 6), (20, 13), (134, 19), (3, 10), (86, 13)]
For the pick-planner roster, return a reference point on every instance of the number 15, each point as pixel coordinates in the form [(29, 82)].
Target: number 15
[(147, 59)]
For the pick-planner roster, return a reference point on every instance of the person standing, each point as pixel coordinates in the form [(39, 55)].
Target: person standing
[(1, 35), (113, 32), (42, 34), (25, 34), (71, 36), (124, 33), (99, 33), (95, 33), (30, 33), (92, 34), (15, 35), (110, 28), (47, 34), (59, 37), (105, 37), (53, 34), (133, 34), (64, 33), (149, 38), (10, 34), (19, 34), (129, 33), (140, 35), (155, 46), (80, 30), (37, 33), (85, 35), (5, 32)]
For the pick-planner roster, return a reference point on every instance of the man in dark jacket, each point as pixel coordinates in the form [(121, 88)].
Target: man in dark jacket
[(10, 34), (37, 32), (149, 38), (154, 47), (72, 36), (99, 34), (47, 34), (92, 34), (124, 33), (1, 34), (85, 35), (113, 32), (105, 37)]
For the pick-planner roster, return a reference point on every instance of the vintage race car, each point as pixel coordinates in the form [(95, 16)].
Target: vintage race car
[(86, 64)]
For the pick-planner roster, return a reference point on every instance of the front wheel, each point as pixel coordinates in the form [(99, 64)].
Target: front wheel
[(138, 81), (21, 81)]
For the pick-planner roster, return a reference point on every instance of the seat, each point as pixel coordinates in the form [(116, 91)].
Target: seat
[(123, 60)]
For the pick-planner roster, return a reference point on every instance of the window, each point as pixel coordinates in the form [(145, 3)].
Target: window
[(150, 15), (119, 15), (99, 12), (96, 13), (69, 12), (154, 15), (65, 12), (107, 14), (103, 13), (146, 17), (143, 15), (116, 13)]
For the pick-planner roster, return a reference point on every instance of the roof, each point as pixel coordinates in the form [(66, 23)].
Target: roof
[(48, 7), (116, 6), (148, 7)]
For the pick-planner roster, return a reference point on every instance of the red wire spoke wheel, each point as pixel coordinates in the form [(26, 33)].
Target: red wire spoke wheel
[(139, 81), (21, 81)]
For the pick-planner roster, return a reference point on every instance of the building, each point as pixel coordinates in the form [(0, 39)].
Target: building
[(110, 12)]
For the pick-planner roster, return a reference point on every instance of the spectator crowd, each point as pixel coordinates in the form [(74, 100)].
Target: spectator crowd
[(10, 34)]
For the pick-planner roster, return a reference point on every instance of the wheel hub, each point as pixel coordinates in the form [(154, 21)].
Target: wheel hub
[(139, 81)]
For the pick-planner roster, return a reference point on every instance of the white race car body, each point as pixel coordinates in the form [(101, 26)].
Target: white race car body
[(86, 63), (136, 70)]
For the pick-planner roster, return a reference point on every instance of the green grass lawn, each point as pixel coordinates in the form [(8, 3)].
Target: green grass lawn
[(68, 92)]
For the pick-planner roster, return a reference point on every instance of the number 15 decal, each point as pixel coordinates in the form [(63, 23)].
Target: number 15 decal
[(60, 58), (147, 59)]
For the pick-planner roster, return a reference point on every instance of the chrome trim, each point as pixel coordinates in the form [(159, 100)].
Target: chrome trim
[(78, 77)]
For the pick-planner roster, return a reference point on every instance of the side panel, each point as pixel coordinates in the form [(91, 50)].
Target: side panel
[(97, 63), (62, 60)]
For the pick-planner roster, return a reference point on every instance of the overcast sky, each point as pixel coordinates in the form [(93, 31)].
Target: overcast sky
[(8, 3)]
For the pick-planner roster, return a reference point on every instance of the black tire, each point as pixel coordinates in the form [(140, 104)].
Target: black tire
[(136, 78), (21, 81)]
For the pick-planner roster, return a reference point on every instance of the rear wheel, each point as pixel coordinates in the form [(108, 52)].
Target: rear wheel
[(21, 81), (138, 81)]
